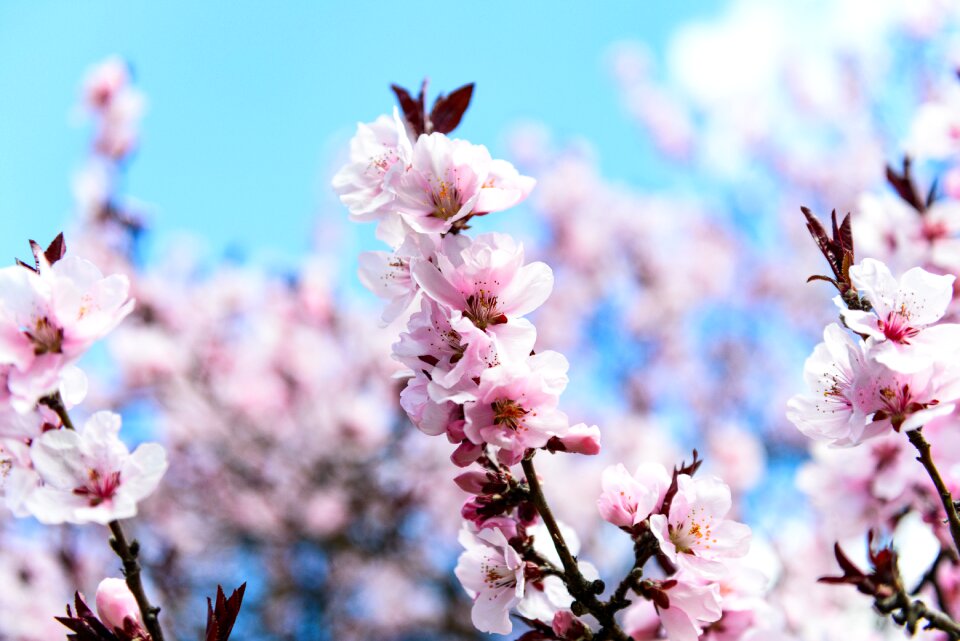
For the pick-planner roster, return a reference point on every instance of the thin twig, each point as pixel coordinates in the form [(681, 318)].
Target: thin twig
[(55, 402), (583, 591), (128, 553), (926, 459), (910, 613)]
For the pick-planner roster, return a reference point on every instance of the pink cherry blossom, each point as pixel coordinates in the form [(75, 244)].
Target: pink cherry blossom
[(628, 500), (486, 281), (856, 397), (692, 603), (580, 439), (89, 475), (455, 352), (696, 534), (900, 329), (516, 405), (378, 148), (50, 318), (448, 179), (429, 416), (387, 274), (492, 572)]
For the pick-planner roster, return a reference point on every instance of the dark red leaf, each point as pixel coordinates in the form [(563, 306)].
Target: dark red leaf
[(85, 625), (448, 110), (413, 110), (903, 184), (220, 618), (56, 250)]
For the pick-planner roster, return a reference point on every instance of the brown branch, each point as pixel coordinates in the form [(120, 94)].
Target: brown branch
[(128, 553), (909, 614), (584, 592), (926, 459), (55, 402)]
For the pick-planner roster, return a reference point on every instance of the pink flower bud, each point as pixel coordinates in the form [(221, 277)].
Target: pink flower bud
[(115, 603), (472, 481), (466, 453), (567, 626), (582, 439)]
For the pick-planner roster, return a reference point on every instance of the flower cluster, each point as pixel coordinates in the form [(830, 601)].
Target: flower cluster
[(51, 313), (891, 367), (895, 368), (475, 376)]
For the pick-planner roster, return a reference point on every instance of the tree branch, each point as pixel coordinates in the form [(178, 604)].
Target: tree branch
[(909, 614), (585, 592), (128, 553), (926, 459)]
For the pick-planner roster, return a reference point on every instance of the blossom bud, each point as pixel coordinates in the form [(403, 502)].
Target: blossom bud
[(581, 439), (115, 604), (466, 453), (473, 481), (568, 627)]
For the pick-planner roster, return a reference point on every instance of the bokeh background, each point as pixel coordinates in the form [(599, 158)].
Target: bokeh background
[(673, 144)]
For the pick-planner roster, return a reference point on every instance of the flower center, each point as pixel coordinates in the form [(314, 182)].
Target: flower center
[(482, 310), (100, 488), (897, 403), (508, 413), (897, 327), (47, 338), (446, 201), (497, 576), (693, 533)]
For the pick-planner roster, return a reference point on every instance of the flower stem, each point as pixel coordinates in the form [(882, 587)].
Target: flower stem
[(926, 459), (581, 589), (55, 402), (128, 553), (911, 613)]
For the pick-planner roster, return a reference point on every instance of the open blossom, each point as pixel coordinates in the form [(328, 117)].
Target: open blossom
[(454, 352), (486, 281), (696, 533), (376, 149), (628, 500), (387, 274), (89, 475), (516, 405), (431, 417), (830, 412), (692, 604), (900, 329), (448, 179), (855, 397), (50, 317), (493, 574)]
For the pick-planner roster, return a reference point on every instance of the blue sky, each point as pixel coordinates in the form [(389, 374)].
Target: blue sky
[(250, 102)]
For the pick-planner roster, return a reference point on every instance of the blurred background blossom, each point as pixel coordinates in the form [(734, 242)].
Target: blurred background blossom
[(191, 147)]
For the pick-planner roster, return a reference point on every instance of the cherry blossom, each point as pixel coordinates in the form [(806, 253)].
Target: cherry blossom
[(900, 330), (117, 607), (691, 604), (447, 180), (516, 405), (376, 150), (486, 281), (627, 500), (50, 317), (89, 475), (696, 533), (493, 574)]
